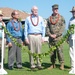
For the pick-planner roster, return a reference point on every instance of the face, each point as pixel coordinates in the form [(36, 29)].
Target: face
[(55, 10), (35, 11), (73, 13), (1, 17), (16, 15)]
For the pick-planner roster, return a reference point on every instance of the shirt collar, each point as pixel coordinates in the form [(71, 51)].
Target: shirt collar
[(14, 21)]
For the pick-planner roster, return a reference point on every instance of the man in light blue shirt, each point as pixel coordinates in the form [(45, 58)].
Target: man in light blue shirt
[(15, 29), (34, 34)]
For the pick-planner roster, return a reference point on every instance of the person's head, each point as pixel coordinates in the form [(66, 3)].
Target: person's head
[(55, 8), (34, 10), (1, 15), (15, 14), (73, 11)]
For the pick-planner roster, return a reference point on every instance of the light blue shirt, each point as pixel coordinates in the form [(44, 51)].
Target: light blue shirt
[(30, 28), (11, 30)]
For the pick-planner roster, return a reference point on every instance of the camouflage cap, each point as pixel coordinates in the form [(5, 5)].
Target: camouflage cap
[(55, 6), (73, 9)]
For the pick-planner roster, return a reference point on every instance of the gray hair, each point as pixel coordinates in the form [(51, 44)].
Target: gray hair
[(34, 7)]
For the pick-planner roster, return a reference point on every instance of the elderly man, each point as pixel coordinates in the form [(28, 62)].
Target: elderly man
[(34, 34), (71, 44), (55, 28), (14, 26)]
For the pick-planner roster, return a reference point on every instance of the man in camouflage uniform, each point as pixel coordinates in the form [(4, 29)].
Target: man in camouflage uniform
[(55, 28)]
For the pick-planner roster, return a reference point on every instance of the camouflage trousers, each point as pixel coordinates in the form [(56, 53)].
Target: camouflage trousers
[(57, 53)]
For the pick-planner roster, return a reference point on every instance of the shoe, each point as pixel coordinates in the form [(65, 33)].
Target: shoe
[(10, 68), (62, 66), (52, 66), (72, 71), (40, 67), (33, 67)]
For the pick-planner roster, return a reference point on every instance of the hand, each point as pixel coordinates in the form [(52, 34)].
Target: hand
[(53, 36), (42, 40), (27, 41), (10, 44), (22, 43)]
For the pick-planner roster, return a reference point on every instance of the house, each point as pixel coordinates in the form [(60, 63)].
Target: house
[(7, 14)]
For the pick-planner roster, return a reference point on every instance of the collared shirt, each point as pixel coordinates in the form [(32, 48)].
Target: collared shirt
[(12, 31), (1, 30), (72, 21), (30, 28)]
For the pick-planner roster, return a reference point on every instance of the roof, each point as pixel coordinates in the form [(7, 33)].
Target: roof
[(7, 13)]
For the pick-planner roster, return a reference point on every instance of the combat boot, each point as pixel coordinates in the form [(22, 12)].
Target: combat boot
[(62, 66), (52, 66)]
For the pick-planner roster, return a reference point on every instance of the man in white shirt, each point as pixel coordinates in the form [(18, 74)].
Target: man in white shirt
[(72, 42), (1, 33)]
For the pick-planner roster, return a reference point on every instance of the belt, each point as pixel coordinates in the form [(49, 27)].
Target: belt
[(35, 34), (17, 37)]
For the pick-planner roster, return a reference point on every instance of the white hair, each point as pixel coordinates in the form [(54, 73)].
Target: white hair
[(34, 7)]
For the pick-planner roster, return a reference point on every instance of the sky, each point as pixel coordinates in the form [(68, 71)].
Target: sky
[(44, 6)]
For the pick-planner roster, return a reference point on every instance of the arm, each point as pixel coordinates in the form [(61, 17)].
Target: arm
[(8, 38), (62, 27), (9, 30), (43, 29), (26, 29), (48, 28), (26, 32)]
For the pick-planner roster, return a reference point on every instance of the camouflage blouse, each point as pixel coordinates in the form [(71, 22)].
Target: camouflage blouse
[(57, 28)]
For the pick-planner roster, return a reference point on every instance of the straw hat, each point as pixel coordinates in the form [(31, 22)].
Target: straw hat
[(1, 13), (73, 9)]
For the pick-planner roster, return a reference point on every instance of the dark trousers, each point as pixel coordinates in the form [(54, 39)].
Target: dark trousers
[(15, 53)]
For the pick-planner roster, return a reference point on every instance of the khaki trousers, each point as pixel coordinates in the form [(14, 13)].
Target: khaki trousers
[(35, 47)]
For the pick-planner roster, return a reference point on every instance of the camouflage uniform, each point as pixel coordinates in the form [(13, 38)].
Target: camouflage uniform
[(57, 29)]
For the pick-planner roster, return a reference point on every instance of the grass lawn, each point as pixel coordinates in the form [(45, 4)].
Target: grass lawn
[(45, 63)]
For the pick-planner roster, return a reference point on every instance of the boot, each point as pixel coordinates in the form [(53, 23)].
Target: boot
[(62, 66), (52, 66)]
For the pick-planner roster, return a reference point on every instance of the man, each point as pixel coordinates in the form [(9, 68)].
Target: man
[(71, 44), (55, 28), (1, 34), (14, 27), (34, 34)]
